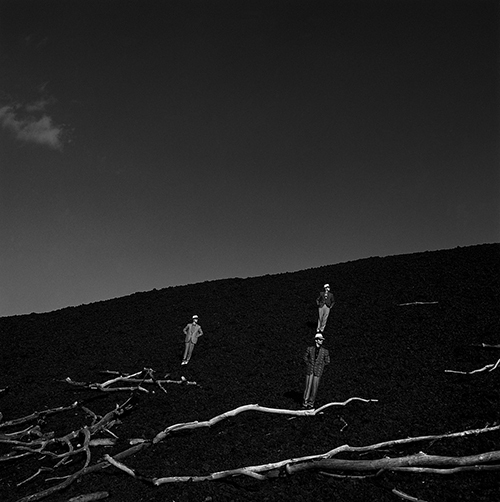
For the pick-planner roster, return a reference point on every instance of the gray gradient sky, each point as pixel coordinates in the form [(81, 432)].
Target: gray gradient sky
[(146, 144)]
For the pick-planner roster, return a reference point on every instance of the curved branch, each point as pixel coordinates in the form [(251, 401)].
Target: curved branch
[(489, 367), (250, 407), (405, 496)]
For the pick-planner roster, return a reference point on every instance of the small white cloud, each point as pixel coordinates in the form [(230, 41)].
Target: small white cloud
[(31, 129), (37, 106)]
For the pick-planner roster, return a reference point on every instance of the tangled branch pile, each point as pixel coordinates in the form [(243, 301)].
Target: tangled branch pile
[(76, 448)]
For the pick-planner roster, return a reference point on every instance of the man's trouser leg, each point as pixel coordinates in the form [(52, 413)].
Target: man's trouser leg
[(307, 391), (312, 383), (314, 390), (188, 351), (322, 317)]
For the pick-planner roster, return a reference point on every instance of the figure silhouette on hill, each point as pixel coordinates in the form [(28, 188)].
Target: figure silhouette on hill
[(325, 302), (192, 331)]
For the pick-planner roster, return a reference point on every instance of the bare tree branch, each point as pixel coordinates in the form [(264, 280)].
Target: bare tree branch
[(393, 464), (486, 346), (38, 414), (90, 497), (145, 376), (405, 496), (251, 407), (416, 303), (489, 367)]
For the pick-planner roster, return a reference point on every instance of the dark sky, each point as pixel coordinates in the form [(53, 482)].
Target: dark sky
[(147, 143)]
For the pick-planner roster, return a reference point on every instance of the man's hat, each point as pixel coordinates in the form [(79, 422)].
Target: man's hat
[(326, 285), (320, 336), (195, 317)]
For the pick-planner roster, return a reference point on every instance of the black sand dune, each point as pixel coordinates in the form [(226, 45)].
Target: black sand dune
[(256, 331)]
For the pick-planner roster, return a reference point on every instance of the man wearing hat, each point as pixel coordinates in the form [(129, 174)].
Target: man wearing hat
[(316, 358), (192, 331), (325, 302)]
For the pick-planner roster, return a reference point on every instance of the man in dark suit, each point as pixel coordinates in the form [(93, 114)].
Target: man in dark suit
[(325, 302), (192, 331), (316, 358)]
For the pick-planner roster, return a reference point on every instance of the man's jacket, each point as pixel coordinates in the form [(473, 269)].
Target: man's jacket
[(192, 332), (325, 299), (316, 365)]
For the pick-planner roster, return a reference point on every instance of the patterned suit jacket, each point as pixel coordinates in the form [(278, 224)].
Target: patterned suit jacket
[(325, 299), (316, 366), (192, 332)]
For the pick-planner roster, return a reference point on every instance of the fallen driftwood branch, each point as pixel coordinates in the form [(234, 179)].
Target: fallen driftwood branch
[(488, 367), (38, 415), (32, 430), (89, 497), (486, 346), (395, 491), (33, 476), (420, 461), (416, 303), (100, 387), (405, 496), (145, 376), (250, 407)]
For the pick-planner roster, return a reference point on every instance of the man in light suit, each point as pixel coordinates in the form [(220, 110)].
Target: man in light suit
[(316, 358), (325, 302), (192, 331)]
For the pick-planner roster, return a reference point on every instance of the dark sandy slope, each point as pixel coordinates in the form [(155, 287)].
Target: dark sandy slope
[(256, 330)]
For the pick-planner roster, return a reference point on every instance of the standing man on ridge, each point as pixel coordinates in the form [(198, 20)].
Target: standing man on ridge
[(192, 331), (325, 302), (316, 358)]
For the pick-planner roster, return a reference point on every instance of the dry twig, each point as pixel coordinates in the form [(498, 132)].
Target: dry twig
[(486, 346), (405, 496), (488, 367), (416, 303), (89, 497)]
